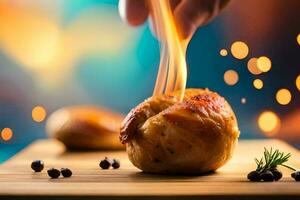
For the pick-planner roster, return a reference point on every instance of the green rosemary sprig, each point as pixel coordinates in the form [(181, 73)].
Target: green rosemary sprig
[(272, 159)]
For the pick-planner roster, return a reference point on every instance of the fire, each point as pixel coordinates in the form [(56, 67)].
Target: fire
[(172, 74)]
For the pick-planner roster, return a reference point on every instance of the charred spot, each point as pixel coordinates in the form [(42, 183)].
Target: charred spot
[(162, 134), (202, 97), (211, 101), (123, 138), (156, 160), (157, 146)]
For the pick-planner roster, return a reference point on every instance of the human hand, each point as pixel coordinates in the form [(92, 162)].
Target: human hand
[(188, 14)]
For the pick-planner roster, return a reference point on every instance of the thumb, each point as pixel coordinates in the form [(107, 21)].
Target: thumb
[(190, 14)]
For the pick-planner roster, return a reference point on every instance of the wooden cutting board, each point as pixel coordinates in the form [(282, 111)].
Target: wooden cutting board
[(17, 181)]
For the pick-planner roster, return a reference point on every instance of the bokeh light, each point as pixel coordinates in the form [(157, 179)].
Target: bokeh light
[(6, 134), (298, 82), (38, 42), (283, 96), (269, 122), (223, 52), (252, 66), (243, 100), (239, 50), (258, 84), (231, 77), (298, 38), (264, 64), (38, 113)]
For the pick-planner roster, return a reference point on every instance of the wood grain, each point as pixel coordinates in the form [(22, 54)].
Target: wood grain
[(17, 181)]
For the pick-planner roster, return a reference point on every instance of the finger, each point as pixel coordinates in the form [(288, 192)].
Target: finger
[(134, 12), (190, 14), (223, 3), (174, 4)]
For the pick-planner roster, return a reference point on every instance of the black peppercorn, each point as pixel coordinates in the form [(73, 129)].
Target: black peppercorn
[(53, 173), (277, 174), (37, 165), (105, 163), (254, 176), (293, 174), (66, 172), (115, 164), (267, 176), (296, 175)]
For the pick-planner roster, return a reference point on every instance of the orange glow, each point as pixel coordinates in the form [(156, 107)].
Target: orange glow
[(172, 72), (252, 66), (264, 64), (258, 84), (298, 82), (298, 38), (28, 36), (38, 114), (231, 77), (283, 96), (239, 50), (243, 100), (269, 123), (37, 41), (6, 134), (223, 52)]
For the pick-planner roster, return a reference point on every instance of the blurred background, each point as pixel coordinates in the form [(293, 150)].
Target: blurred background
[(56, 53)]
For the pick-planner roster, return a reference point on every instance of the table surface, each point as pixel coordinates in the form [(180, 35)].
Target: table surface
[(17, 181)]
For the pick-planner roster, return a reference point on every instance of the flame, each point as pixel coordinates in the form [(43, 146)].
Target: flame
[(172, 72)]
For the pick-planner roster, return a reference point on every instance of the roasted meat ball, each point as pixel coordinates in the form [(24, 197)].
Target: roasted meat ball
[(196, 135)]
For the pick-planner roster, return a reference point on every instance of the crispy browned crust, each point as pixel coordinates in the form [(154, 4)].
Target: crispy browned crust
[(196, 101), (196, 135)]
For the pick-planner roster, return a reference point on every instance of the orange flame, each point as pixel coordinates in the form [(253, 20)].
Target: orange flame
[(172, 72)]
